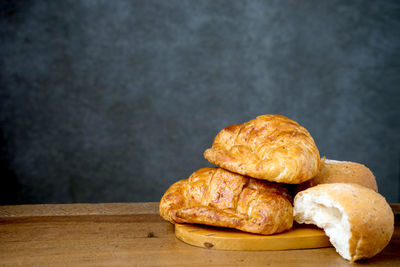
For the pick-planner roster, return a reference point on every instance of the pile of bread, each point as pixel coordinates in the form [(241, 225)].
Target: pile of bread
[(258, 160)]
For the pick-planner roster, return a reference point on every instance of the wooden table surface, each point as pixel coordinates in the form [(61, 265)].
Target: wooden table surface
[(133, 234)]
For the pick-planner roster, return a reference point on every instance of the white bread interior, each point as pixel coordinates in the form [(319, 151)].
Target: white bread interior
[(358, 221)]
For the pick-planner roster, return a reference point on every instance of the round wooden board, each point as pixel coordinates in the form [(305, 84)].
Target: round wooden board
[(299, 237)]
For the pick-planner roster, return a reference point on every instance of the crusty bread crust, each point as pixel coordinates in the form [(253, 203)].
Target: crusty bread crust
[(270, 147), (334, 171), (217, 197), (370, 217)]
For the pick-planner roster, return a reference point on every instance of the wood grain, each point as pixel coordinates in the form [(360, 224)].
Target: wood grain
[(133, 234), (299, 237), (78, 209)]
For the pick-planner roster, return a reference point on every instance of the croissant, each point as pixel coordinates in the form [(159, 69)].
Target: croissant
[(270, 147), (217, 197)]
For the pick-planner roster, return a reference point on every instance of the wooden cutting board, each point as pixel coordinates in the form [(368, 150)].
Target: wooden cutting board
[(299, 237)]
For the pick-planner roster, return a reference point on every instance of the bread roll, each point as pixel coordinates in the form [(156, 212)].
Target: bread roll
[(358, 221), (270, 147), (333, 171), (217, 197)]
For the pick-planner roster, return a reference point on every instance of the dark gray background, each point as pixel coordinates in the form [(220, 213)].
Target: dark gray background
[(107, 101)]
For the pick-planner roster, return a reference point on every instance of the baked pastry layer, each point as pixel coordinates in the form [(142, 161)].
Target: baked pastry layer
[(217, 197), (270, 147)]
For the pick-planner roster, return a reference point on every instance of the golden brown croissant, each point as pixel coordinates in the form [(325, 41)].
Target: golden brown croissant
[(270, 147), (217, 197)]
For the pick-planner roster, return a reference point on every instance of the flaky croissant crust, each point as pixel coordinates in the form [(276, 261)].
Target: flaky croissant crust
[(217, 197), (270, 147)]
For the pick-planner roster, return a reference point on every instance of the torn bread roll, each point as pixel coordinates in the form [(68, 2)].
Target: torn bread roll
[(358, 221), (334, 171)]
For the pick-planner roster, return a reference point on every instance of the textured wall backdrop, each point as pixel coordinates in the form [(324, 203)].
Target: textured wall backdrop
[(115, 100)]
